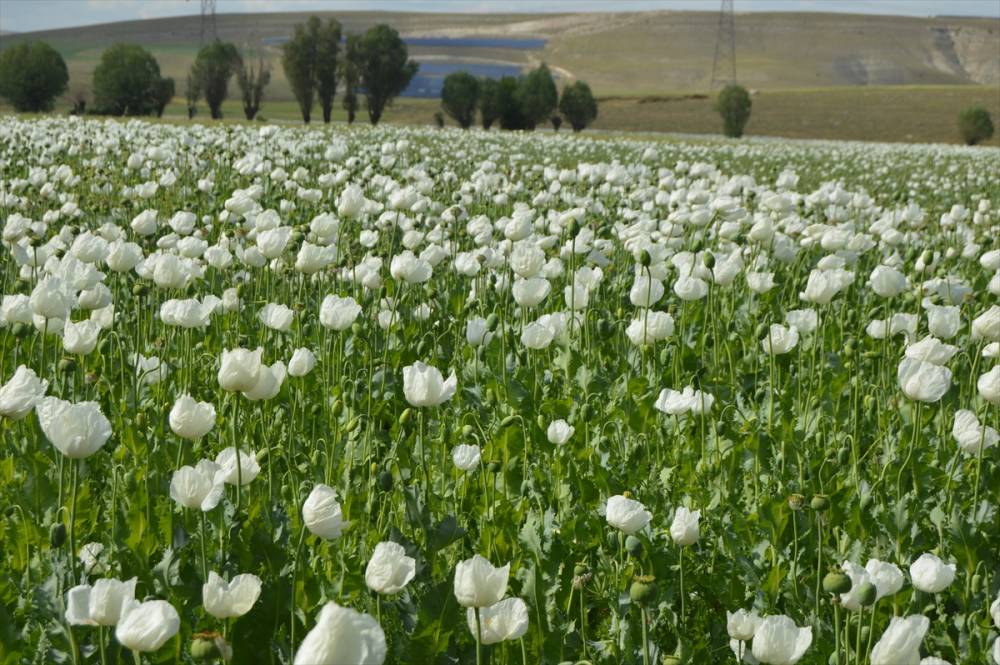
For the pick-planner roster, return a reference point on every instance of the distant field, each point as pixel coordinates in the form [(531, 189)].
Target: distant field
[(837, 76), (911, 114)]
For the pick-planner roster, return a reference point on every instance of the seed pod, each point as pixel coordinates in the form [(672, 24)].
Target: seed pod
[(867, 593), (796, 501), (836, 583), (643, 590), (820, 502), (580, 569), (57, 535), (633, 545)]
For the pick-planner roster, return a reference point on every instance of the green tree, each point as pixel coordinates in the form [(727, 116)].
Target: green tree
[(537, 96), (975, 125), (350, 72), (298, 59), (386, 69), (489, 101), (32, 75), (127, 81), (578, 105), (460, 96), (192, 93), (733, 104), (509, 109), (213, 67), (252, 81), (327, 46), (162, 94)]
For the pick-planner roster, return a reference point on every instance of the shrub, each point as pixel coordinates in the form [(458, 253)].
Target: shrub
[(975, 125), (32, 75), (578, 105), (733, 105)]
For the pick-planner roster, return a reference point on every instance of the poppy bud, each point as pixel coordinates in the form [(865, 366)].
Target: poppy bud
[(645, 259), (139, 289), (494, 467), (977, 583), (587, 412), (385, 481), (843, 455), (405, 416), (508, 421), (490, 396), (67, 365), (708, 259), (491, 322), (18, 329), (57, 535), (573, 228), (337, 408), (671, 660), (633, 545), (819, 503), (836, 583), (643, 590), (697, 245), (580, 569), (356, 328), (467, 430), (867, 594), (353, 424)]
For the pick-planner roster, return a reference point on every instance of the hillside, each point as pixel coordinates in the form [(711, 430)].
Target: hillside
[(664, 51), (651, 69)]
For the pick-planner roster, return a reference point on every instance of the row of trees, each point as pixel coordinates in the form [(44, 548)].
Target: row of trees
[(517, 103)]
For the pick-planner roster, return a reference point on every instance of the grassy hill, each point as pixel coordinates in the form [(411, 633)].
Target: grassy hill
[(829, 75)]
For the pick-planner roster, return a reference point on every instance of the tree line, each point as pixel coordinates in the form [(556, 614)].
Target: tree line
[(517, 103), (316, 60)]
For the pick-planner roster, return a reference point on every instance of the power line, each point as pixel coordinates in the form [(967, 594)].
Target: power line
[(724, 65)]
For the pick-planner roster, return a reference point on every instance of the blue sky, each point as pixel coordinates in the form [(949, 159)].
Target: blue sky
[(26, 15)]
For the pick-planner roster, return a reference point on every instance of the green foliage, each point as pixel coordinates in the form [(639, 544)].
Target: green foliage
[(327, 47), (509, 110), (163, 92), (252, 81), (460, 96), (537, 96), (298, 59), (350, 72), (127, 81), (32, 75), (733, 104), (578, 105), (311, 66), (975, 125), (214, 65), (385, 67), (489, 101)]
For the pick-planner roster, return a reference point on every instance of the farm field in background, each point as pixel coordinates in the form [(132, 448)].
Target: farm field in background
[(274, 394)]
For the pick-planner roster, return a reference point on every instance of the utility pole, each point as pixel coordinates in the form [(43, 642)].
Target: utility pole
[(724, 66), (208, 20)]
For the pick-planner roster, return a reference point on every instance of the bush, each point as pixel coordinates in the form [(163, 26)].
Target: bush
[(975, 125), (163, 92), (578, 105), (214, 65), (32, 75), (127, 81), (386, 69), (734, 105), (439, 119), (460, 96)]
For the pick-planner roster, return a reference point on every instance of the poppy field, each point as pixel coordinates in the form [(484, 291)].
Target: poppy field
[(400, 395)]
